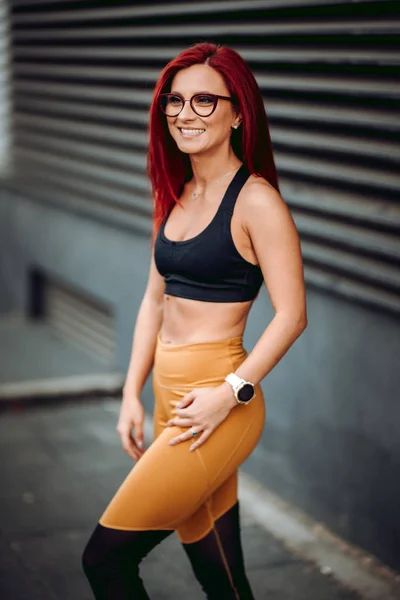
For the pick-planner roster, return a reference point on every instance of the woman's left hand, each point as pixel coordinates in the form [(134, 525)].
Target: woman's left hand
[(203, 409)]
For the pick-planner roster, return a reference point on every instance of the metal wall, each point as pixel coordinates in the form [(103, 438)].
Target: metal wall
[(83, 79), (77, 205)]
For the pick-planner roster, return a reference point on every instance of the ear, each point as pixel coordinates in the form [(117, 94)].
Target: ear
[(237, 121)]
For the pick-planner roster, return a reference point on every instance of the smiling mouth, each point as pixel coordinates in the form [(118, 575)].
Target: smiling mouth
[(190, 132)]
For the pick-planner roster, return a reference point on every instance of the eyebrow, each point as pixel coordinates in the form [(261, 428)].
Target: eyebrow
[(201, 92)]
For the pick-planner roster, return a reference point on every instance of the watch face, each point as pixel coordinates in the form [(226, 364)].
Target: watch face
[(246, 393)]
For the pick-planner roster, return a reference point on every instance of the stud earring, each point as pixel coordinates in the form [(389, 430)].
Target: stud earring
[(235, 126)]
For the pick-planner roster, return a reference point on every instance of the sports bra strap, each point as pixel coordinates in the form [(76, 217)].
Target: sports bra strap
[(233, 189)]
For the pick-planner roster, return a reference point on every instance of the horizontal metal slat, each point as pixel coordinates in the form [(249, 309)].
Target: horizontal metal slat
[(59, 314), (265, 55), (163, 10), (350, 236), (5, 40), (367, 269), (54, 196), (97, 93), (98, 319), (79, 337), (355, 146), (331, 55), (25, 140), (342, 86), (100, 174), (351, 117), (353, 290), (60, 71), (128, 53), (317, 168), (269, 27), (59, 109), (135, 200), (80, 319), (373, 210), (89, 131)]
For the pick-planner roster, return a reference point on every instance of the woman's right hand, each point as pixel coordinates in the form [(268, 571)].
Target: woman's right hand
[(131, 417)]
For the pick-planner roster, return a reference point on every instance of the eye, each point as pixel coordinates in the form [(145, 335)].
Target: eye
[(174, 100), (204, 99)]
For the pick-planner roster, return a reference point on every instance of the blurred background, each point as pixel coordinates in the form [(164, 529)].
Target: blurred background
[(76, 81)]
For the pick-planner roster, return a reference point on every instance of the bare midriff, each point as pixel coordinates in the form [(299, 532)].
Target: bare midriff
[(193, 321)]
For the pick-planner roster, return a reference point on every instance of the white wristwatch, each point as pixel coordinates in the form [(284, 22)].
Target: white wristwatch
[(243, 390)]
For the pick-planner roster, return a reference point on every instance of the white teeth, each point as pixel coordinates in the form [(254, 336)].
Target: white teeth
[(192, 131)]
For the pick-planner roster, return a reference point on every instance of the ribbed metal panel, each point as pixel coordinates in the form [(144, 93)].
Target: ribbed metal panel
[(329, 70), (5, 93), (87, 323)]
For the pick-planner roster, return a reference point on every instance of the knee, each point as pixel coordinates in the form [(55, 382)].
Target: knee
[(90, 560), (94, 554)]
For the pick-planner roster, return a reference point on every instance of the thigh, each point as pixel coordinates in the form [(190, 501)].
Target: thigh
[(163, 487), (170, 483), (216, 504)]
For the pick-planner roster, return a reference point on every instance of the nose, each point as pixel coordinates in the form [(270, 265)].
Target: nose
[(187, 110)]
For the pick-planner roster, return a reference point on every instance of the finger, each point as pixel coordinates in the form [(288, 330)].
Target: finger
[(127, 442), (205, 434), (179, 422), (139, 435), (186, 400), (183, 412), (183, 437), (130, 449)]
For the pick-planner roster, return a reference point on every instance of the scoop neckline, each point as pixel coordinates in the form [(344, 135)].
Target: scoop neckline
[(182, 242)]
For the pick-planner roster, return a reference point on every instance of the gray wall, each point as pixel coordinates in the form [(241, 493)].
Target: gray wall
[(330, 445)]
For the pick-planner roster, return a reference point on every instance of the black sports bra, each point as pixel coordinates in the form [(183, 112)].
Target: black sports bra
[(208, 267)]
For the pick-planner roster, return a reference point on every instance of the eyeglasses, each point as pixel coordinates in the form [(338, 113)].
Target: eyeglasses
[(202, 104)]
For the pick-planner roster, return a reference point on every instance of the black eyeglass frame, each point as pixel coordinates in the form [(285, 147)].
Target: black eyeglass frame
[(215, 97)]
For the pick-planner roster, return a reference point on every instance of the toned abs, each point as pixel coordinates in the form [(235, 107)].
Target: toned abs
[(190, 321)]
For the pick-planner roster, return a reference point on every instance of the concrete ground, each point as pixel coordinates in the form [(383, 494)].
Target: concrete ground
[(60, 465)]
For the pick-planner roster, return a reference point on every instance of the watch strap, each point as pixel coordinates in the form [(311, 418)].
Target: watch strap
[(234, 380)]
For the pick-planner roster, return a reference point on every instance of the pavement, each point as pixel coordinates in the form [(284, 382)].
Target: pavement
[(60, 465)]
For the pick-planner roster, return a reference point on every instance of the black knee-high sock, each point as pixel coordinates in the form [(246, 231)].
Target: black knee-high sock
[(217, 560), (111, 561)]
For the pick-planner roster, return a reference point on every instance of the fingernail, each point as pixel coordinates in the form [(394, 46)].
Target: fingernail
[(192, 448), (171, 442), (140, 444), (179, 405)]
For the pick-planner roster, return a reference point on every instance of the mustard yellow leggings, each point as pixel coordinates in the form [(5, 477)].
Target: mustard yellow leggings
[(173, 489)]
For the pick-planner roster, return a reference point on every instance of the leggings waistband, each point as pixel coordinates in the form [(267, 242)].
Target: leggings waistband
[(236, 341)]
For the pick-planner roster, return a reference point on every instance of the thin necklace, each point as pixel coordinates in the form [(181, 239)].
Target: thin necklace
[(195, 195)]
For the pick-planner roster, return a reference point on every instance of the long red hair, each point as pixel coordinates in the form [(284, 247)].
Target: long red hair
[(167, 167)]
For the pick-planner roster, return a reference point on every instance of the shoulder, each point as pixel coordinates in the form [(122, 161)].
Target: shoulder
[(261, 204)]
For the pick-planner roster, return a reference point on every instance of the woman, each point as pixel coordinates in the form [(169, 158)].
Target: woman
[(221, 228)]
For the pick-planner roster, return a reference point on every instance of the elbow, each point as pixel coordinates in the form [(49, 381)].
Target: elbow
[(298, 323), (301, 322), (295, 322)]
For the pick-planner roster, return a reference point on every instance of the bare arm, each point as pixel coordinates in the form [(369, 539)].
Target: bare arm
[(148, 323), (275, 240)]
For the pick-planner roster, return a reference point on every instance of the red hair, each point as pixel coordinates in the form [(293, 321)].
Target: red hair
[(167, 167)]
